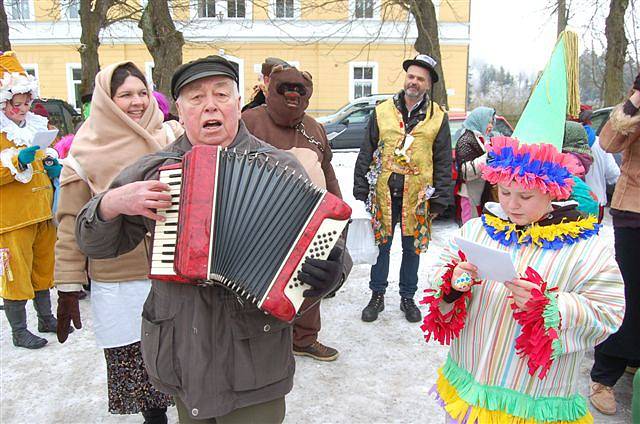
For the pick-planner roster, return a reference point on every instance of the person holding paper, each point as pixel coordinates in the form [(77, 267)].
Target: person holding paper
[(27, 235), (517, 346)]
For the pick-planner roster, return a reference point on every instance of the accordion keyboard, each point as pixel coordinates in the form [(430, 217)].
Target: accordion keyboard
[(166, 233)]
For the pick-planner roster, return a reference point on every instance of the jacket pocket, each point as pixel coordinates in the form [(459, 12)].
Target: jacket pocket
[(157, 351), (261, 350)]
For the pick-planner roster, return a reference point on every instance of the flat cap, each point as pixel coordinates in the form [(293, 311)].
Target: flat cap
[(270, 63), (202, 68)]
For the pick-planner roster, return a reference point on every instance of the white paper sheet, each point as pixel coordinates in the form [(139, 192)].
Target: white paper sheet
[(493, 264), (44, 138)]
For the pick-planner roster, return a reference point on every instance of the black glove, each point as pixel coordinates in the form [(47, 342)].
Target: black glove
[(68, 310), (636, 82), (322, 275)]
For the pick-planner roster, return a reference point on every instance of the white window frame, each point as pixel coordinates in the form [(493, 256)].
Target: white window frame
[(296, 11), (148, 73), (36, 71), (9, 9), (240, 63), (221, 5), (352, 80), (71, 91), (67, 7), (257, 67), (376, 11), (221, 11)]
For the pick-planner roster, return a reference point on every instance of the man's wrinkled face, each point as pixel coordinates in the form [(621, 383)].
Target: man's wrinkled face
[(209, 109), (416, 82)]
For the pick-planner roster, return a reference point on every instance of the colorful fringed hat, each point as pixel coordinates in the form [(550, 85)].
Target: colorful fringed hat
[(531, 166), (14, 79)]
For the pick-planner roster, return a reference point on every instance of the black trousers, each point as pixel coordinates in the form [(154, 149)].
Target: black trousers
[(620, 350)]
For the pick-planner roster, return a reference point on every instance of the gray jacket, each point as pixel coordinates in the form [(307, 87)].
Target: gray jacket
[(199, 343)]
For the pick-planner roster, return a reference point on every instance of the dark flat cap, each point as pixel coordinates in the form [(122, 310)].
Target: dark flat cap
[(202, 68), (270, 63), (423, 61)]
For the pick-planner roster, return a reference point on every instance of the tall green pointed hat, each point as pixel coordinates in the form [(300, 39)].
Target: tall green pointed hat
[(554, 97)]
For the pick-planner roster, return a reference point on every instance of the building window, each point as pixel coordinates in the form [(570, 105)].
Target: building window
[(73, 9), (363, 9), (284, 8), (148, 70), (363, 79), (19, 10), (74, 81), (236, 8), (206, 8)]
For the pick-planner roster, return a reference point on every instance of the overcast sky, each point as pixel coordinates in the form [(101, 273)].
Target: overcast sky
[(520, 34)]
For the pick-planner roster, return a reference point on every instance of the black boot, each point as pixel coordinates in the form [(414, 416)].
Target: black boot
[(411, 311), (375, 306), (17, 316), (42, 304), (155, 416)]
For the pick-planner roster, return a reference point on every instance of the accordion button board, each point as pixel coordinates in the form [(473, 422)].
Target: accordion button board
[(246, 223)]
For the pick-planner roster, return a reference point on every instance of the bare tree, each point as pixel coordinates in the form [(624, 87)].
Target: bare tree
[(428, 41), (563, 15), (163, 41), (5, 44), (616, 52)]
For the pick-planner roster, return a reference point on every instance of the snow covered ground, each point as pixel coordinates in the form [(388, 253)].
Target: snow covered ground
[(382, 375)]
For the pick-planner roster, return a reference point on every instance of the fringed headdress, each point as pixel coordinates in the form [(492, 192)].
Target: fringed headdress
[(531, 166)]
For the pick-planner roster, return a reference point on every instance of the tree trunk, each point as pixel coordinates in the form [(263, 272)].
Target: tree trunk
[(92, 21), (428, 42), (614, 89), (563, 15), (163, 41), (5, 44)]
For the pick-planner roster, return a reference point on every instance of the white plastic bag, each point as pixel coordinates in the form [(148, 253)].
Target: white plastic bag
[(361, 242)]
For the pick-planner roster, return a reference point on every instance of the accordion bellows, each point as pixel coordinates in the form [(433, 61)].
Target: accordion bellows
[(246, 222)]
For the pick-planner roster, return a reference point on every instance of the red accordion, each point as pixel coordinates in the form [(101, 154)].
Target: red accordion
[(241, 220)]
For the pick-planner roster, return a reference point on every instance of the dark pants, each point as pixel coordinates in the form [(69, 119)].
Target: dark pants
[(307, 327), (408, 266), (620, 350), (271, 412)]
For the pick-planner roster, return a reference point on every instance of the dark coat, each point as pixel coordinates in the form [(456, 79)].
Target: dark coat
[(202, 344)]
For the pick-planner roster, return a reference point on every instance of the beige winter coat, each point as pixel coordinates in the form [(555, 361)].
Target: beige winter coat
[(72, 266), (622, 134)]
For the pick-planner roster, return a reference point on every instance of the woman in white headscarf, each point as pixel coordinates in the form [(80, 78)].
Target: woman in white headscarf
[(125, 123)]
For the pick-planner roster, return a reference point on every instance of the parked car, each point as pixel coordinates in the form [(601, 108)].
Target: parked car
[(61, 115), (354, 105)]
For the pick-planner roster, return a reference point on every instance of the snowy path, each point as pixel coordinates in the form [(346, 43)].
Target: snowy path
[(383, 374)]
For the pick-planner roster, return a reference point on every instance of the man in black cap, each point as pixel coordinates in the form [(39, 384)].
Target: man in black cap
[(259, 96), (223, 359), (406, 181)]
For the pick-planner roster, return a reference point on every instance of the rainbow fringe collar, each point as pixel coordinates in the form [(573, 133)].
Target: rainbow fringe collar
[(468, 401), (552, 236)]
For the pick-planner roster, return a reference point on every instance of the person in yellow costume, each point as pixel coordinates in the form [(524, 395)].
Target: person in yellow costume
[(27, 234), (403, 174)]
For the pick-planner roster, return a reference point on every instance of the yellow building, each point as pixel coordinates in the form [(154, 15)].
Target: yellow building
[(351, 47)]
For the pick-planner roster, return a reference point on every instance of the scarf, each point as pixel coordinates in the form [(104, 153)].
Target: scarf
[(109, 140)]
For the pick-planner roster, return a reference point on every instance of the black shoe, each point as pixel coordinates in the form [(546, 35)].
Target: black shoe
[(155, 416), (17, 316), (411, 311), (375, 306)]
